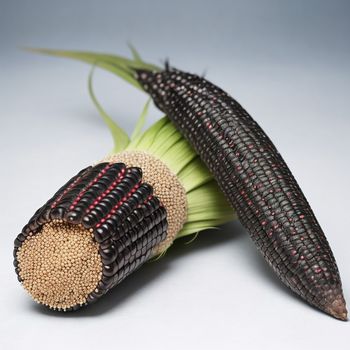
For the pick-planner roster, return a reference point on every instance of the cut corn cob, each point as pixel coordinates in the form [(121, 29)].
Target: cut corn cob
[(108, 202), (249, 170), (112, 217)]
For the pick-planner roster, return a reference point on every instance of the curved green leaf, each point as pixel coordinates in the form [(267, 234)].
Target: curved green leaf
[(140, 122), (120, 137)]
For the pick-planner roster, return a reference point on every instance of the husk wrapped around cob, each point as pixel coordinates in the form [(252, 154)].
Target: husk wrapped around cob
[(113, 216)]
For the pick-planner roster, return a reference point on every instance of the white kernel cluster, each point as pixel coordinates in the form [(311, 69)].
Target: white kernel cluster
[(166, 186), (60, 266)]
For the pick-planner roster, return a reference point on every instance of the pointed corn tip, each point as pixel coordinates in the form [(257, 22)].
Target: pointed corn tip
[(337, 308)]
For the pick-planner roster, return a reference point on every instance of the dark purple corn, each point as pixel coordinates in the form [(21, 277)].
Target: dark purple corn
[(256, 181), (110, 202)]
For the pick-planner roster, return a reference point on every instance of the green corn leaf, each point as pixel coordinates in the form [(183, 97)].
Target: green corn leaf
[(213, 199), (198, 226), (120, 137), (145, 141), (140, 122), (194, 174), (91, 57), (195, 236), (179, 155), (120, 72), (121, 66), (136, 56), (166, 138)]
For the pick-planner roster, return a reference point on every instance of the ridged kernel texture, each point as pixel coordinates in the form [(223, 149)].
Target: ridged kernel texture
[(166, 186), (257, 182)]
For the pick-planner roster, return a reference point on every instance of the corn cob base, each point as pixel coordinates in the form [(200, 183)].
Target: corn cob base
[(96, 230)]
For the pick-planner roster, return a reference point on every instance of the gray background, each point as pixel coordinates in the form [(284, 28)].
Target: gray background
[(287, 62)]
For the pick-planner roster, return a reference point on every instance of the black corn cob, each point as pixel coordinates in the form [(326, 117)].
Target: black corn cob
[(125, 218), (256, 181)]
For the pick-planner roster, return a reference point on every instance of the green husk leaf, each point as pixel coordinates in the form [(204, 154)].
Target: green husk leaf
[(195, 235), (212, 198), (197, 226), (121, 72), (145, 140), (92, 57), (120, 137), (179, 155), (194, 174), (140, 122), (169, 135), (136, 56), (118, 65)]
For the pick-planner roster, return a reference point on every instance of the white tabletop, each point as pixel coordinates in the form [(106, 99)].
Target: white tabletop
[(288, 66)]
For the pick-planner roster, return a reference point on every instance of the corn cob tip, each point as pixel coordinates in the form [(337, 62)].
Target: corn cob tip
[(337, 308)]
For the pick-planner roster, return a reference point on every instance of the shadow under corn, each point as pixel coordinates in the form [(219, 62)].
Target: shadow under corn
[(230, 234), (148, 273)]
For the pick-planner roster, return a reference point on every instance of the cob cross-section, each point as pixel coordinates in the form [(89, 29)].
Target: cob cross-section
[(112, 217), (249, 170), (95, 231)]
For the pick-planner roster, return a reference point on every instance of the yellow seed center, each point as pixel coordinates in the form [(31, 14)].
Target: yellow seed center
[(60, 266)]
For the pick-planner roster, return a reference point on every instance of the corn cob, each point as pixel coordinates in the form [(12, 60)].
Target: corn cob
[(256, 181), (112, 217), (111, 211), (249, 170)]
